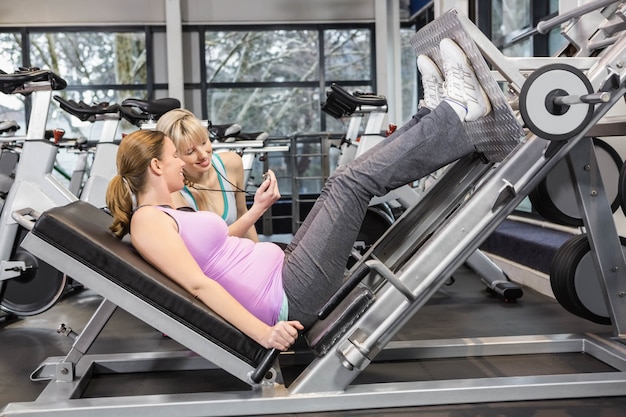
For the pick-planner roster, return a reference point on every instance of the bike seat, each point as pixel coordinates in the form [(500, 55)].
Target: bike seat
[(339, 102), (15, 83), (137, 111), (156, 107), (223, 132), (8, 126), (245, 136), (86, 112), (252, 136)]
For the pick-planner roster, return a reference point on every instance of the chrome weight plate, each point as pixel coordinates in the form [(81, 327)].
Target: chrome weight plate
[(545, 118)]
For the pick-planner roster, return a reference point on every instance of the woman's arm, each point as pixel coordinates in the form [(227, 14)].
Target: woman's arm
[(155, 237), (266, 195)]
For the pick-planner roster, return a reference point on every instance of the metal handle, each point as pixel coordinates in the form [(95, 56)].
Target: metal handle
[(26, 217), (266, 363)]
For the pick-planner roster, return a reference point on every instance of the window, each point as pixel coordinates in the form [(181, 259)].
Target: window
[(512, 23), (99, 67), (92, 58), (275, 80)]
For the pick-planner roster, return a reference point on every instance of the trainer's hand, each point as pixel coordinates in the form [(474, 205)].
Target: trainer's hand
[(282, 335), (267, 193)]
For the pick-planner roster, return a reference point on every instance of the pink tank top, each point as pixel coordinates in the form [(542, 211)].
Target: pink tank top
[(251, 272)]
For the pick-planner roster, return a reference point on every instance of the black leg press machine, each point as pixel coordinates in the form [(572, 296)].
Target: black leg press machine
[(560, 103)]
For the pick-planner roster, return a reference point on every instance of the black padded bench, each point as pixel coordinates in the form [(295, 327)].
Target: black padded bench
[(81, 231)]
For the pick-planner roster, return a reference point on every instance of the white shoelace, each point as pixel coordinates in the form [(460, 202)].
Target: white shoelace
[(462, 84), (432, 90)]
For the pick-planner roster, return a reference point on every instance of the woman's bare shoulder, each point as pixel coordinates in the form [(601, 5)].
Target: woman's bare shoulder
[(149, 222), (147, 214)]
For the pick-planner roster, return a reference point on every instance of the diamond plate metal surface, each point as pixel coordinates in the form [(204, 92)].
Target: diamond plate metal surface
[(497, 134)]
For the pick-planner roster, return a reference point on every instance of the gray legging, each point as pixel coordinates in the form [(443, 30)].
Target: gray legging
[(315, 260)]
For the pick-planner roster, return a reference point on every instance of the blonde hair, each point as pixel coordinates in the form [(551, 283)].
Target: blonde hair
[(185, 130), (133, 158)]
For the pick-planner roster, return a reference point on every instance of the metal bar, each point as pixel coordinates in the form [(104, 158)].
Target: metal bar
[(386, 395), (606, 249), (545, 26), (593, 98)]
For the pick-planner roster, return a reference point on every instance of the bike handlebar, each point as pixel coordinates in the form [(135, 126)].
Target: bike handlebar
[(17, 82), (84, 111)]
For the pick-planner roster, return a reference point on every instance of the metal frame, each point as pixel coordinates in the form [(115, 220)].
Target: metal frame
[(57, 400), (34, 187)]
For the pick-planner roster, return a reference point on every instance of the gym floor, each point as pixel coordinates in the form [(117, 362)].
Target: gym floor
[(461, 310)]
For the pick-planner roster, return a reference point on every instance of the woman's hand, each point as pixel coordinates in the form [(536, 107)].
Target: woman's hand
[(267, 193), (265, 196), (282, 335)]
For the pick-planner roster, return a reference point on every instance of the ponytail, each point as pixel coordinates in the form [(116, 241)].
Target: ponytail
[(133, 158), (119, 203)]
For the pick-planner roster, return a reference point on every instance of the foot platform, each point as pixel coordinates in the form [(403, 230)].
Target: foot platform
[(497, 134)]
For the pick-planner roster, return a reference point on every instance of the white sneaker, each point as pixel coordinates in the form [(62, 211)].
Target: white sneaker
[(432, 81), (461, 84)]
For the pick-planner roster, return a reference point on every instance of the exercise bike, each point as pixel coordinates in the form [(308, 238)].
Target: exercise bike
[(89, 181), (8, 155), (29, 286), (384, 210)]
